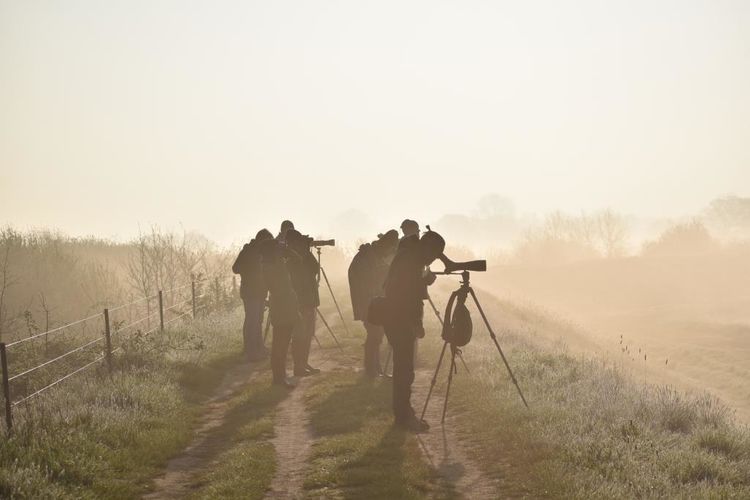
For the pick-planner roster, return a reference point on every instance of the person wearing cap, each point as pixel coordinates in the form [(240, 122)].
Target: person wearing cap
[(304, 273), (367, 274), (404, 293), (253, 292), (283, 304), (409, 228)]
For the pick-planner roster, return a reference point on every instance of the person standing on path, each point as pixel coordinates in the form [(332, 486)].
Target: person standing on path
[(404, 293), (367, 274), (283, 303), (253, 292), (304, 273)]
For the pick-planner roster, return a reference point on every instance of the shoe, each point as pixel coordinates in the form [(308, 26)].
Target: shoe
[(301, 374), (312, 371), (413, 424)]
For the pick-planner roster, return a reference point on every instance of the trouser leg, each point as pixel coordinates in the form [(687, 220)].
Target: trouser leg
[(302, 338), (279, 348), (247, 326), (260, 309), (372, 349), (309, 318), (403, 374), (254, 347)]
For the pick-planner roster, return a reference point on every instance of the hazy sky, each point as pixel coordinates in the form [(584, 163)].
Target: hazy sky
[(225, 116)]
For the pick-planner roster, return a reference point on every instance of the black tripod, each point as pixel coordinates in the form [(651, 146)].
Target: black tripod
[(459, 297)]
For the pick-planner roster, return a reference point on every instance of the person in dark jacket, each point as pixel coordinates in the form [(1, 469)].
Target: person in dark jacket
[(283, 304), (367, 273), (404, 291), (304, 273), (285, 226), (253, 293)]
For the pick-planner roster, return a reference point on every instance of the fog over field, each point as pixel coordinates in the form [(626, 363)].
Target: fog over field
[(594, 153)]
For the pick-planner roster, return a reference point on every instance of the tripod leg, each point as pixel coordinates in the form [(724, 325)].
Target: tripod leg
[(435, 310), (450, 380), (497, 344), (434, 379), (317, 340), (329, 329), (335, 302)]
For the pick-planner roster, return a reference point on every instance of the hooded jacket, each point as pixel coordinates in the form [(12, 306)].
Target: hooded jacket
[(248, 266)]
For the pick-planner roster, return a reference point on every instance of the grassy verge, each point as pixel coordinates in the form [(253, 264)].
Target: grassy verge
[(592, 431), (105, 436), (358, 453)]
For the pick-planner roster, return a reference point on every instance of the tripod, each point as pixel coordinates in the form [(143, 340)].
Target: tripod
[(459, 297)]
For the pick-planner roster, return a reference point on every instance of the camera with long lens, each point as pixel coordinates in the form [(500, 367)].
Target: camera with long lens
[(312, 242), (470, 265)]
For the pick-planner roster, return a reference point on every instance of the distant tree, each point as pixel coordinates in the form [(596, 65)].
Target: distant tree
[(730, 216), (691, 238), (565, 238), (611, 232)]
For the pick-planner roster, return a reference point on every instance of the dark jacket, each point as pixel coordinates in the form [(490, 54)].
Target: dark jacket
[(248, 266), (304, 273), (282, 300), (405, 285), (367, 274)]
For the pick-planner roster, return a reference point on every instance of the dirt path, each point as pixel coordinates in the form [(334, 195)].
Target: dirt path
[(179, 477), (293, 437), (292, 440), (441, 446)]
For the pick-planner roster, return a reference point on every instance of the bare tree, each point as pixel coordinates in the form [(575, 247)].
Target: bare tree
[(612, 229)]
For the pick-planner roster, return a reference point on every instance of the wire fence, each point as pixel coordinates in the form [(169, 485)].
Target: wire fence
[(33, 365)]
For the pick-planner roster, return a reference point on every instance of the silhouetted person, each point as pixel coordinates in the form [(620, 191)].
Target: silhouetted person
[(409, 228), (253, 292), (283, 304), (304, 272), (404, 290), (367, 273), (285, 226)]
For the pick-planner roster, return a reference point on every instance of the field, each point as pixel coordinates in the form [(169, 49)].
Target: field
[(690, 316), (188, 419)]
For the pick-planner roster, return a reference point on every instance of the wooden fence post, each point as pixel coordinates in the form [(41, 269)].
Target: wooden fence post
[(6, 387), (161, 311), (108, 339), (192, 287)]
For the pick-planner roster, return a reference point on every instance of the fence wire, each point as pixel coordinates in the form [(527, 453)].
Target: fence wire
[(196, 301)]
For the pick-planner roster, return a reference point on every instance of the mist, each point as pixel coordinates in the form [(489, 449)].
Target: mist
[(117, 117), (595, 154)]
